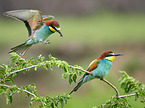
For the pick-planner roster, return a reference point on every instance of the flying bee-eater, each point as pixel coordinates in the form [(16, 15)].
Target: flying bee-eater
[(99, 68), (39, 27)]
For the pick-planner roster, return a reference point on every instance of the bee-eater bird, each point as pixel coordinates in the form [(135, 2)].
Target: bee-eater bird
[(99, 68), (39, 27)]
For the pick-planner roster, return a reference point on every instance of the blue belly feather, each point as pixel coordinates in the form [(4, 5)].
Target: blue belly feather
[(102, 70), (40, 35)]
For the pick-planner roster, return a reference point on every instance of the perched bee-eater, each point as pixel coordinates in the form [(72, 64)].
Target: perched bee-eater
[(99, 68), (39, 27)]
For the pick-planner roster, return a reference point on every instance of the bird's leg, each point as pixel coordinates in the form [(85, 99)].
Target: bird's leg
[(46, 42), (101, 78)]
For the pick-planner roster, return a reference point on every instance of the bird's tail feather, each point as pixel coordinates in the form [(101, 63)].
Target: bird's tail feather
[(77, 87), (21, 49)]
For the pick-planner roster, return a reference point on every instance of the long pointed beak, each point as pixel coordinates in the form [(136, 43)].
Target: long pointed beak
[(59, 33), (118, 54), (57, 30)]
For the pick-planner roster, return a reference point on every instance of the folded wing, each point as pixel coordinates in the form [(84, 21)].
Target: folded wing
[(93, 65)]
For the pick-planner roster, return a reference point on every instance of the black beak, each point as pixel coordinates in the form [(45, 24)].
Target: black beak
[(57, 31), (118, 54)]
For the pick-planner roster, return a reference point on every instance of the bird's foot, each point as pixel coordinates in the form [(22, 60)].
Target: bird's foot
[(101, 78), (46, 42)]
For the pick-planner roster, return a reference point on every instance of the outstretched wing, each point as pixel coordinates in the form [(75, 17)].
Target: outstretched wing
[(31, 18), (93, 65)]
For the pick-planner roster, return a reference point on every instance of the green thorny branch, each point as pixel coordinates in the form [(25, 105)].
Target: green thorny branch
[(45, 101), (20, 65)]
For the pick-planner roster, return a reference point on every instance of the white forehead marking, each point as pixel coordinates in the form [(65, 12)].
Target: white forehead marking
[(58, 28)]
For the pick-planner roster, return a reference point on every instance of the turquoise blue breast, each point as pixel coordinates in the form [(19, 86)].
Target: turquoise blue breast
[(102, 69), (42, 34)]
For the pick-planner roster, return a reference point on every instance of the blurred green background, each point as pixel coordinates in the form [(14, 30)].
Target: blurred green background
[(89, 28)]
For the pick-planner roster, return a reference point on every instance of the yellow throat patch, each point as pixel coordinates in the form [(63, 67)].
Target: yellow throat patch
[(51, 29), (111, 58)]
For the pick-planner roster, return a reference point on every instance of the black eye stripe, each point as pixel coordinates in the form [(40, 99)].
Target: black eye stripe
[(108, 55)]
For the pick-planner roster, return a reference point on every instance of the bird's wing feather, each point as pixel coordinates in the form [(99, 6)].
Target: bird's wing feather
[(47, 17), (31, 18), (93, 65)]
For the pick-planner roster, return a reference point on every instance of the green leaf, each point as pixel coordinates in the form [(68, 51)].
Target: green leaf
[(136, 96), (8, 98), (4, 66), (65, 75), (64, 99), (74, 78), (65, 69), (76, 71), (123, 72), (52, 105), (59, 64), (80, 73), (50, 57), (35, 68), (1, 76), (2, 92), (33, 99), (9, 80), (56, 102), (50, 66), (70, 79), (142, 101), (2, 71), (21, 93), (129, 88)]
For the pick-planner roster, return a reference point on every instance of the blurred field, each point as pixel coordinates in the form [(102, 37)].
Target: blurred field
[(85, 38)]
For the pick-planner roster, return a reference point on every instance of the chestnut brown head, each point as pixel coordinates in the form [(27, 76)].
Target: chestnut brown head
[(53, 26), (109, 55)]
